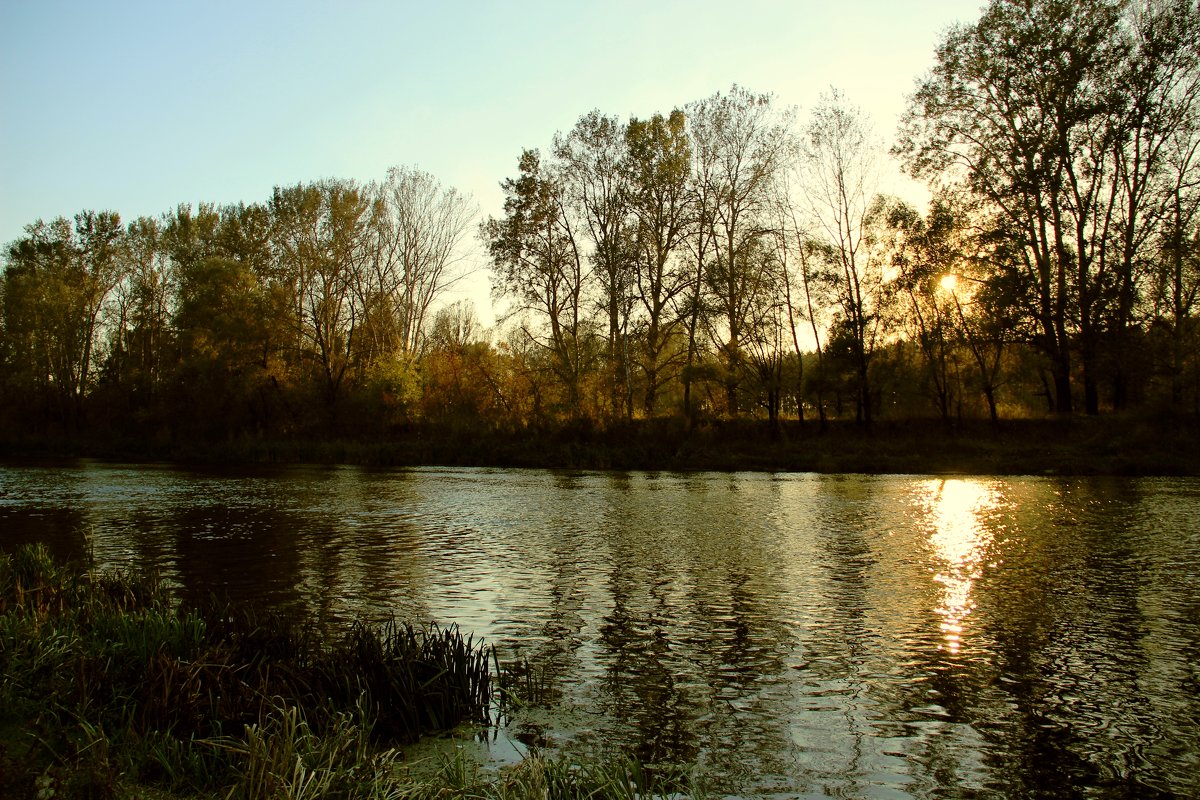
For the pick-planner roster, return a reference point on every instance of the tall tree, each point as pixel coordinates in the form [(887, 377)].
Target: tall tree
[(1156, 108), (59, 278), (1175, 288), (233, 322), (840, 171), (422, 228), (770, 328), (801, 254), (589, 160), (742, 143), (142, 333), (1056, 112), (323, 239), (657, 168), (927, 268), (540, 266)]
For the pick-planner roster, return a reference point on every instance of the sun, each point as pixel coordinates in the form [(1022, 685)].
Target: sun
[(949, 282)]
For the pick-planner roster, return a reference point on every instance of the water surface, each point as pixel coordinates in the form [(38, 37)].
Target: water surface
[(799, 635)]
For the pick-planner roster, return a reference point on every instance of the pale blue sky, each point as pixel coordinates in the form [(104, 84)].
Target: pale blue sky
[(139, 106)]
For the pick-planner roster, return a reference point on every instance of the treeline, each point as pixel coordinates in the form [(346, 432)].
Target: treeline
[(724, 259), (299, 314)]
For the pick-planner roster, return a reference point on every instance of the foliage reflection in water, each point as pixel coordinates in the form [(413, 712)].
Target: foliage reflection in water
[(799, 634)]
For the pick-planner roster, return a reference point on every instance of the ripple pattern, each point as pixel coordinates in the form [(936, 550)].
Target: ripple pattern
[(794, 635)]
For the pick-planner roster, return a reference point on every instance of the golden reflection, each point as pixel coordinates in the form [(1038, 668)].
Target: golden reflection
[(960, 540)]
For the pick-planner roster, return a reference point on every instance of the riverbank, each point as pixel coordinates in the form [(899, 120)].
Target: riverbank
[(109, 690), (1127, 446)]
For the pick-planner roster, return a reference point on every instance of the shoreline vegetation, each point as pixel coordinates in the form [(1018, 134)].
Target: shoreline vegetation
[(1113, 445), (109, 689)]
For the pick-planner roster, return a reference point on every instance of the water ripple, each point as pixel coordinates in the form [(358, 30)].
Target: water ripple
[(791, 635)]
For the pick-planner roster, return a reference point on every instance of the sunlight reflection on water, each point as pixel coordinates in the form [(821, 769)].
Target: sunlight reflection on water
[(960, 539)]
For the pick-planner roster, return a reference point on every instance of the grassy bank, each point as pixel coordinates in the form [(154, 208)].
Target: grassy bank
[(109, 690), (1114, 445)]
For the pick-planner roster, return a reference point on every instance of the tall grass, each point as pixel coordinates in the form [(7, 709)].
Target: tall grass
[(523, 684), (605, 778)]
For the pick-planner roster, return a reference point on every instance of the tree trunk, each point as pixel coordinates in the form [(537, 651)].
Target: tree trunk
[(1062, 388), (1091, 393), (1087, 361), (864, 392), (989, 394)]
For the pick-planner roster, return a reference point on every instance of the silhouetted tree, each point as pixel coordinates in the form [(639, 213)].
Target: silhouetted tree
[(1057, 112), (539, 265), (839, 157), (59, 278), (741, 144), (588, 165), (657, 167)]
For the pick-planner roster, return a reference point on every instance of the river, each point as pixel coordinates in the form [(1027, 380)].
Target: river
[(787, 634)]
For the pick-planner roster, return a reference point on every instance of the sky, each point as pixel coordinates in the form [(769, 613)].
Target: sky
[(140, 106)]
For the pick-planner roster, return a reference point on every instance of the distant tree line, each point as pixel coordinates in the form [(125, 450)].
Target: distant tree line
[(302, 313), (723, 259)]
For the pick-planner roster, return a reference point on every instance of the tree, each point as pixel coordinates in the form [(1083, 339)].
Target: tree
[(1055, 112), (702, 199), (838, 158), (141, 329), (1157, 103), (233, 323), (421, 227), (1176, 283), (59, 279), (539, 265), (589, 161), (768, 330), (741, 145), (657, 167), (323, 240), (221, 329), (804, 295), (458, 368), (927, 264)]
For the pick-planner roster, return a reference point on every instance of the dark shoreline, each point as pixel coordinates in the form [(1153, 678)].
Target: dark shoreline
[(1119, 446)]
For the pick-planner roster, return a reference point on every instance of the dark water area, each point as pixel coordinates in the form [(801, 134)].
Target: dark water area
[(788, 634)]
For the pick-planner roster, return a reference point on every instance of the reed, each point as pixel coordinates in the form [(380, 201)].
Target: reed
[(412, 680), (284, 757), (604, 777), (523, 684)]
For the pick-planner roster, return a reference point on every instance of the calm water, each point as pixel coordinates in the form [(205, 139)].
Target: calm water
[(790, 634)]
